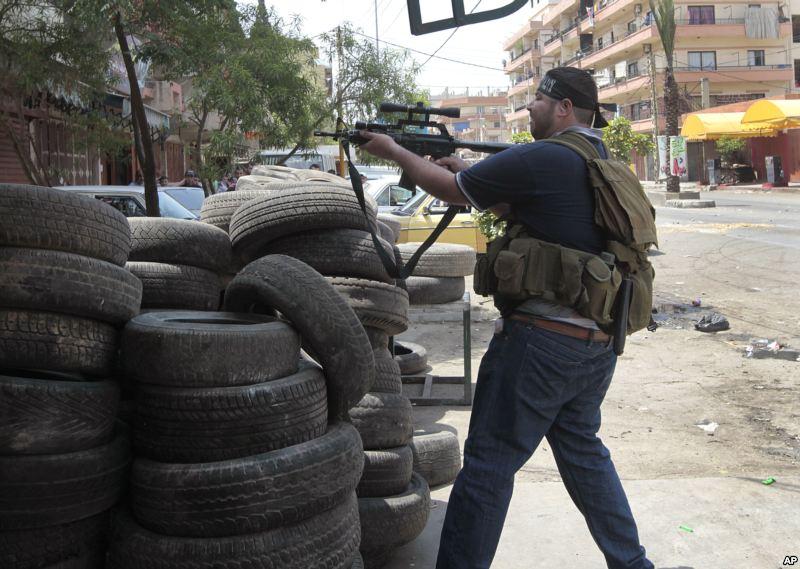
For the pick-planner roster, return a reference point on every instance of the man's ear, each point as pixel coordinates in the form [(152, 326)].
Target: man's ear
[(565, 107)]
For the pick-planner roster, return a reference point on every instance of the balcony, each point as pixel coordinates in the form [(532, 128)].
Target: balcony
[(622, 86), (619, 46), (554, 12), (518, 115), (733, 73), (530, 27), (522, 59), (552, 45), (523, 85)]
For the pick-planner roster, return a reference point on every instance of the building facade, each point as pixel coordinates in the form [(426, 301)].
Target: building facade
[(725, 52), (483, 116)]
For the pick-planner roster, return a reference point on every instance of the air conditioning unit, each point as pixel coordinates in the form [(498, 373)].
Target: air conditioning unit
[(637, 9), (647, 48)]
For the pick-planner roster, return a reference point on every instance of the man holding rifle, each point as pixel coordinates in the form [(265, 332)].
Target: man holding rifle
[(551, 360)]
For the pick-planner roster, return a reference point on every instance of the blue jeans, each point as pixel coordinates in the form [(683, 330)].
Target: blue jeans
[(534, 383)]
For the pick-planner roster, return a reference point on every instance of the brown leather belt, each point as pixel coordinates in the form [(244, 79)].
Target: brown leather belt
[(562, 328)]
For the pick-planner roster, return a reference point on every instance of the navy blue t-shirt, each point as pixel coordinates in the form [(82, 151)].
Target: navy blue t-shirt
[(547, 187)]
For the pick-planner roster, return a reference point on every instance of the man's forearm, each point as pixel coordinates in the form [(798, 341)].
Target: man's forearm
[(434, 179)]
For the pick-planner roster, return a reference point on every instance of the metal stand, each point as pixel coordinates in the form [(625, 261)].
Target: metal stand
[(428, 380)]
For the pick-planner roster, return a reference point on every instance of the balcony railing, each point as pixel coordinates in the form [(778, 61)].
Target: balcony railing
[(583, 53), (722, 68), (552, 38), (516, 57), (569, 28), (701, 22)]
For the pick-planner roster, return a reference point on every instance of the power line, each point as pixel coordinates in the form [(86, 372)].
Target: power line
[(432, 54), (448, 37)]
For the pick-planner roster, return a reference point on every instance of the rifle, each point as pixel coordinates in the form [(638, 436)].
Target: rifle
[(412, 134)]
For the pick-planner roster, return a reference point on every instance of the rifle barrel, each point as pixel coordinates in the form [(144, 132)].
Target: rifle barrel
[(491, 147)]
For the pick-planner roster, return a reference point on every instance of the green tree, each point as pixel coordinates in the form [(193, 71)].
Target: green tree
[(664, 14), (622, 140), (728, 148), (522, 137), (365, 77), (53, 50)]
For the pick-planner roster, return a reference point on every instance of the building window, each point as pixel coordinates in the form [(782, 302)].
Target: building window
[(701, 15), (796, 29), (702, 60), (633, 69), (797, 72), (631, 26), (479, 110), (755, 57)]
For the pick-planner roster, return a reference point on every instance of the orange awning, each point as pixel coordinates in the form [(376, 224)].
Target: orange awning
[(779, 113), (711, 126)]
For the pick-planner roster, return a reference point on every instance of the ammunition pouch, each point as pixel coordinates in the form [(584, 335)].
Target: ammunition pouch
[(519, 268)]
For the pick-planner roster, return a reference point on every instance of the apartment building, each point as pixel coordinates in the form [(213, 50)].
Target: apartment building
[(482, 116), (725, 52), (526, 63)]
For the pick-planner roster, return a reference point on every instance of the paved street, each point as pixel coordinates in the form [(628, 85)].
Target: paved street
[(741, 259)]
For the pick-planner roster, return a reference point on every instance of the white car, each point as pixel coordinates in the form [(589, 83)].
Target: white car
[(130, 200), (388, 192)]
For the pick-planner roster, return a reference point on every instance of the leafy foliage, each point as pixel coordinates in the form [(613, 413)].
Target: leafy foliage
[(488, 224), (522, 137), (728, 147), (54, 52), (622, 140)]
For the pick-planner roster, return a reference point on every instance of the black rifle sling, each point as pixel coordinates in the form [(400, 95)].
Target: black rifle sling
[(395, 267)]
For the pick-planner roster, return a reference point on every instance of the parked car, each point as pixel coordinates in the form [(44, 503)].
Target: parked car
[(130, 200), (421, 214), (189, 197), (388, 193)]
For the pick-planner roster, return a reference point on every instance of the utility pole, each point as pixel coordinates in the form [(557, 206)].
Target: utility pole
[(339, 122), (377, 48), (653, 93)]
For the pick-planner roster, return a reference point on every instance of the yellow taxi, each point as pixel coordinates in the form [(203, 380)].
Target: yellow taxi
[(422, 212)]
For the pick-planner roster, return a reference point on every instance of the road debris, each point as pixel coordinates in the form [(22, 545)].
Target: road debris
[(697, 301), (713, 322), (768, 481), (686, 528), (708, 426), (761, 348)]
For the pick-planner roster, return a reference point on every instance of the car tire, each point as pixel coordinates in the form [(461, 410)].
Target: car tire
[(384, 420), (189, 425), (74, 545), (336, 252), (54, 413), (177, 287), (50, 489), (52, 281), (386, 472), (437, 457), (441, 260), (251, 494), (393, 224), (218, 209), (30, 339), (377, 304), (329, 539), (377, 337), (387, 373), (35, 217), (391, 521), (322, 317), (179, 241), (435, 290), (313, 207), (208, 349), (385, 232), (412, 358)]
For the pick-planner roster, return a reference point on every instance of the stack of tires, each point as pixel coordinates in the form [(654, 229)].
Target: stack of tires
[(180, 263), (243, 459), (64, 293), (439, 275), (323, 226)]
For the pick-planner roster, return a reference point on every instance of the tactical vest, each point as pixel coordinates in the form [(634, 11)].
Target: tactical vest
[(517, 266)]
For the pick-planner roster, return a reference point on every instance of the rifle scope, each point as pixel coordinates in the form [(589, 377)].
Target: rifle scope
[(418, 109)]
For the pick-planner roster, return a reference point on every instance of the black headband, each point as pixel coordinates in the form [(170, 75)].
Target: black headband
[(556, 89)]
